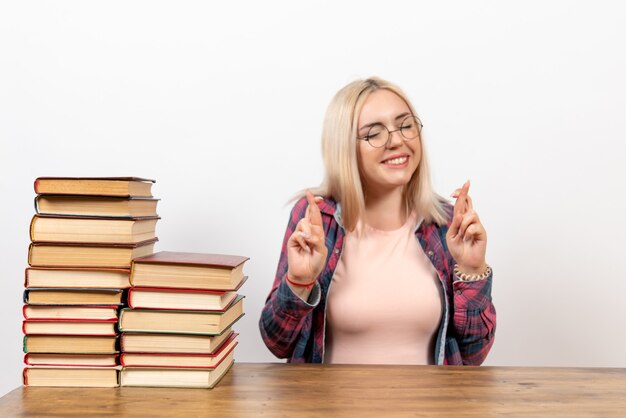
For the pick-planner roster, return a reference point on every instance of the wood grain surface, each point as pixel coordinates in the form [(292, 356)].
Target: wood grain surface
[(287, 390)]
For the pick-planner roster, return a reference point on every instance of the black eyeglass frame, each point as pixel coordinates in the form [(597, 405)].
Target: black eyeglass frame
[(389, 133)]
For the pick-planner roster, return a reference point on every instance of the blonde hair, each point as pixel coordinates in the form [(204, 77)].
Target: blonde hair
[(342, 180)]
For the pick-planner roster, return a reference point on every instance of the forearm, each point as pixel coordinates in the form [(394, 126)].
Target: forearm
[(282, 317), (474, 319)]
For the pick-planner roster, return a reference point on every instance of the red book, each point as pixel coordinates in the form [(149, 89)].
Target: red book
[(180, 299), (82, 360), (176, 377), (176, 360)]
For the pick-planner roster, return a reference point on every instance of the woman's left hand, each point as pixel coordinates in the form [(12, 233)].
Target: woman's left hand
[(466, 237)]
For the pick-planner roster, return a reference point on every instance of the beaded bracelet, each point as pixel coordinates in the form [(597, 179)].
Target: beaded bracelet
[(307, 285), (464, 277)]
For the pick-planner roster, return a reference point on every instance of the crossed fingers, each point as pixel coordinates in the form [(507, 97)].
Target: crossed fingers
[(465, 222), (309, 231)]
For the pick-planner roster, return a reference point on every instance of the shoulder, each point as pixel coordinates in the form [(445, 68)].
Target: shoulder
[(433, 228), (449, 211)]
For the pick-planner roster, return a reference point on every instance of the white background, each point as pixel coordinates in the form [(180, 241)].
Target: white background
[(222, 103)]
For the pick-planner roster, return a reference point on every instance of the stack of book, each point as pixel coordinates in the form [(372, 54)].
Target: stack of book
[(84, 236), (177, 331)]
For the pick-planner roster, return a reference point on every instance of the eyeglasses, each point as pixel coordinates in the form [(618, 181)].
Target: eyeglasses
[(410, 128)]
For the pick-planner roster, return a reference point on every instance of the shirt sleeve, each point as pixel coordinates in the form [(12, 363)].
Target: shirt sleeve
[(474, 319), (284, 311)]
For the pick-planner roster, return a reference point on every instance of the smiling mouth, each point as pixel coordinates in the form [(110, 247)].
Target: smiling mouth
[(396, 161)]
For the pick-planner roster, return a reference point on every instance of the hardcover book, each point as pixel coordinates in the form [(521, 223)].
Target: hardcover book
[(179, 299), (55, 312), (188, 322), (70, 344), (171, 377), (188, 271), (77, 277), (71, 376), (87, 255), (68, 296), (81, 360), (68, 229), (175, 360), (70, 327), (98, 186), (140, 342), (96, 206)]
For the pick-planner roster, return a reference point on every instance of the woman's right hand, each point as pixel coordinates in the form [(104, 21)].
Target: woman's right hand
[(306, 247)]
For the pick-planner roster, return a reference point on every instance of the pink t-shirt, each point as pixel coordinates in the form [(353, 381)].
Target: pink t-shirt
[(385, 301)]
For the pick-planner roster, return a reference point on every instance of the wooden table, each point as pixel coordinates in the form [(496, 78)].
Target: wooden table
[(340, 390)]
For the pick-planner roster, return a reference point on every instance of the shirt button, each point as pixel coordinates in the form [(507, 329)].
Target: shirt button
[(459, 292), (430, 253), (336, 250)]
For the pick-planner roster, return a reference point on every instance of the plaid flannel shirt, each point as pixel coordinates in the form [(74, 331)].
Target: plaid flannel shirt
[(294, 329)]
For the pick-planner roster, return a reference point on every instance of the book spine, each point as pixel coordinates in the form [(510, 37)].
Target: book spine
[(36, 185), (24, 348), (26, 359), (25, 376), (26, 277), (36, 202), (25, 296)]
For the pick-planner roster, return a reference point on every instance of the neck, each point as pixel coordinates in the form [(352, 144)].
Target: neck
[(385, 210)]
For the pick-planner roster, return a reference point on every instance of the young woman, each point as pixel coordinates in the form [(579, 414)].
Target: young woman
[(379, 268)]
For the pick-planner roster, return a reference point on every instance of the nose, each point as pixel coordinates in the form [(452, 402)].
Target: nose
[(395, 139)]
